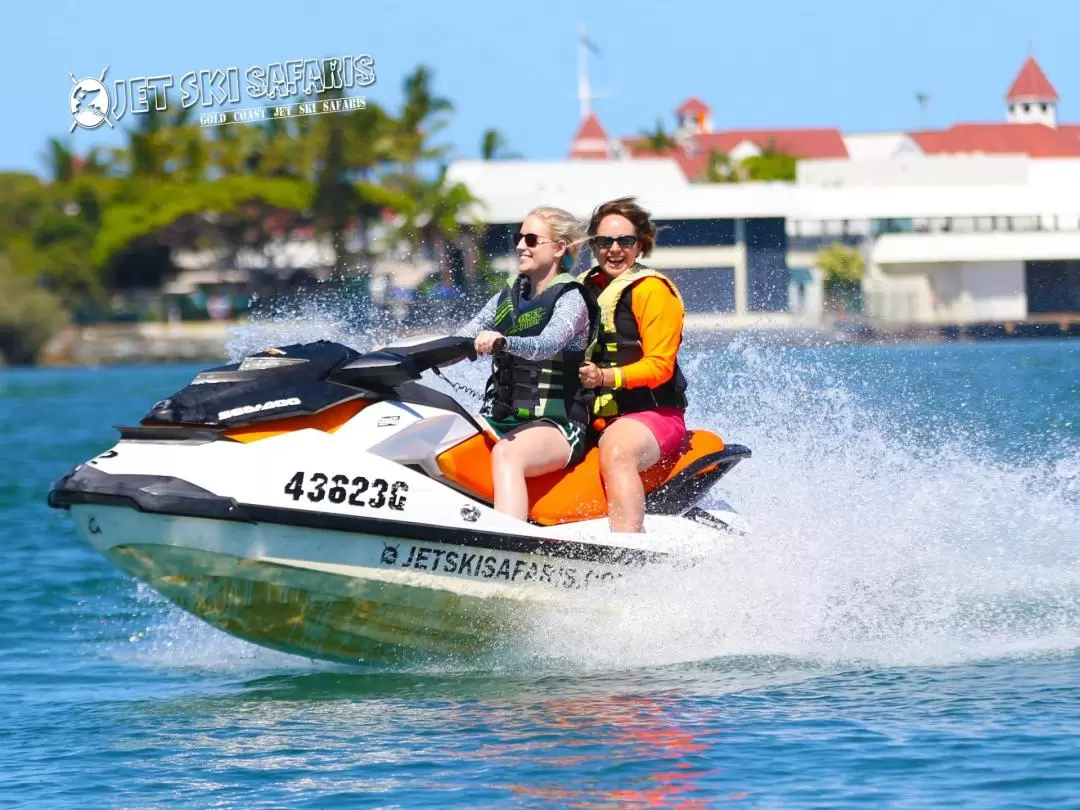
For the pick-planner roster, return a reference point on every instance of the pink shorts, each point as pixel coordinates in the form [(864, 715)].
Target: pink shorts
[(666, 424)]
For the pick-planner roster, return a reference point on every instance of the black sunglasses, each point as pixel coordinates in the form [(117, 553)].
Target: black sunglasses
[(531, 239), (604, 242)]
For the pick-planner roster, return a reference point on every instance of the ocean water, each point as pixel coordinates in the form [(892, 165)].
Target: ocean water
[(900, 629)]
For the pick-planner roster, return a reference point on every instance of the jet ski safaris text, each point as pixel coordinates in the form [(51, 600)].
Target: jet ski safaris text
[(321, 501)]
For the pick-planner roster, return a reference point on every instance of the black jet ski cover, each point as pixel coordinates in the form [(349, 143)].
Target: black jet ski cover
[(286, 381)]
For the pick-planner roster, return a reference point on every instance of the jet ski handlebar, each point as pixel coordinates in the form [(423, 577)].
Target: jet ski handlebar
[(390, 366)]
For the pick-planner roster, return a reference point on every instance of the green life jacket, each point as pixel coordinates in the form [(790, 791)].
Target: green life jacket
[(531, 389), (619, 344)]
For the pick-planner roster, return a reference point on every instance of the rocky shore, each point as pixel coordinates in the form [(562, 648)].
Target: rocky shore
[(120, 344), (216, 341)]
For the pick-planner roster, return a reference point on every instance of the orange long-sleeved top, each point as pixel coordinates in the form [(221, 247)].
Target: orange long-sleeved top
[(659, 315)]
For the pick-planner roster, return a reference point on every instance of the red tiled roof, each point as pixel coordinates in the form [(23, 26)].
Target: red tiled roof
[(588, 153), (692, 106), (800, 143), (590, 128), (1034, 140), (590, 140), (1031, 84), (1070, 129)]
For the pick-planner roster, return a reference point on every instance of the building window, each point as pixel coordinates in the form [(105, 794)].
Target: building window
[(695, 232), (1052, 286), (705, 290)]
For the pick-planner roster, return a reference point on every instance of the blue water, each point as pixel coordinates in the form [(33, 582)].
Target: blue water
[(901, 629)]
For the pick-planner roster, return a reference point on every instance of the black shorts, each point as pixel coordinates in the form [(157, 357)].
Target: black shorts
[(573, 432)]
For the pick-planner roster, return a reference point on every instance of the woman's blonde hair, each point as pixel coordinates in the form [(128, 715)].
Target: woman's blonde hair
[(566, 228)]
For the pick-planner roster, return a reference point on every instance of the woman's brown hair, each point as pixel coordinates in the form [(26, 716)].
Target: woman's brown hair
[(627, 207)]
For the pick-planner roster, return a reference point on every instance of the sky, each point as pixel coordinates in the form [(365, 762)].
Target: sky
[(852, 64)]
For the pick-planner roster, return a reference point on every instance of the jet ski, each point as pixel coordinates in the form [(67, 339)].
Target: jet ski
[(325, 502)]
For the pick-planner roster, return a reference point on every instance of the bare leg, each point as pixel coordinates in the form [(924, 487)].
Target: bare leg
[(627, 448), (523, 453)]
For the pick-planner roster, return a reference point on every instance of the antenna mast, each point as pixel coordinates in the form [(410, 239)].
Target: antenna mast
[(924, 101), (585, 94)]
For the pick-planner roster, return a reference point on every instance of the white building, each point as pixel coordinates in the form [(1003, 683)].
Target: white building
[(978, 222)]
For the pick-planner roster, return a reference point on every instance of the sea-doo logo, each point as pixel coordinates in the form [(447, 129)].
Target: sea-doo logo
[(470, 513), (244, 410), (387, 421), (389, 555)]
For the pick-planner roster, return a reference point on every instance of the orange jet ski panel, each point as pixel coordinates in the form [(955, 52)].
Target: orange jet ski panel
[(568, 495), (328, 420)]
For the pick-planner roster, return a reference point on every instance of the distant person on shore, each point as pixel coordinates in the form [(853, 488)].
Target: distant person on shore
[(534, 400), (640, 390)]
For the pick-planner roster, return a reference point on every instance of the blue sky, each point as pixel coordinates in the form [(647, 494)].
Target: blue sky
[(855, 65)]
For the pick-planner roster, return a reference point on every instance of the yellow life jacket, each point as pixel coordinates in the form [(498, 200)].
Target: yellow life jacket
[(619, 344)]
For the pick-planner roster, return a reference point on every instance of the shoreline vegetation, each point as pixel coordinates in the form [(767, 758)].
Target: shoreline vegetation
[(214, 341), (100, 238), (97, 258)]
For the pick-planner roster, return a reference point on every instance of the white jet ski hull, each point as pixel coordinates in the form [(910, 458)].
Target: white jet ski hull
[(324, 520)]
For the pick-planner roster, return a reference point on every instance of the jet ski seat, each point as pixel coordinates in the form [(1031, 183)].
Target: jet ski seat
[(576, 493)]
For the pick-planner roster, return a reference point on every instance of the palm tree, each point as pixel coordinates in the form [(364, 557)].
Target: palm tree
[(419, 120), (444, 206), (718, 168), (430, 214), (236, 149), (351, 146), (94, 164), (656, 140), (370, 136), (493, 146), (61, 161)]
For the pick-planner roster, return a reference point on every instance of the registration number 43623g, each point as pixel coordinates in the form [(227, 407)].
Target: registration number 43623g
[(358, 491)]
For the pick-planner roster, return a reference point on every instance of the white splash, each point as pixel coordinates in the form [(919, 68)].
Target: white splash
[(881, 534), (867, 544)]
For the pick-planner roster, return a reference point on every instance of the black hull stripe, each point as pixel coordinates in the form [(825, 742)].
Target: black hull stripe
[(449, 535), (167, 495), (173, 496)]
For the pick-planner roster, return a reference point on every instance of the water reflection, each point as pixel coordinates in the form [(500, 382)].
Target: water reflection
[(584, 741)]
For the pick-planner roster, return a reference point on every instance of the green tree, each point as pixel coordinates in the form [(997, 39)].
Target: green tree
[(229, 212), (771, 164), (657, 139), (421, 119), (431, 212), (493, 146), (718, 168), (842, 267), (29, 316), (106, 223)]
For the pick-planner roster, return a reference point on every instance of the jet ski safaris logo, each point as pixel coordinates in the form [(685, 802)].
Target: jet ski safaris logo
[(92, 104), (89, 101)]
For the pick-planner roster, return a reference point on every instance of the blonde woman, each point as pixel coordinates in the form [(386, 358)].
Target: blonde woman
[(538, 328)]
